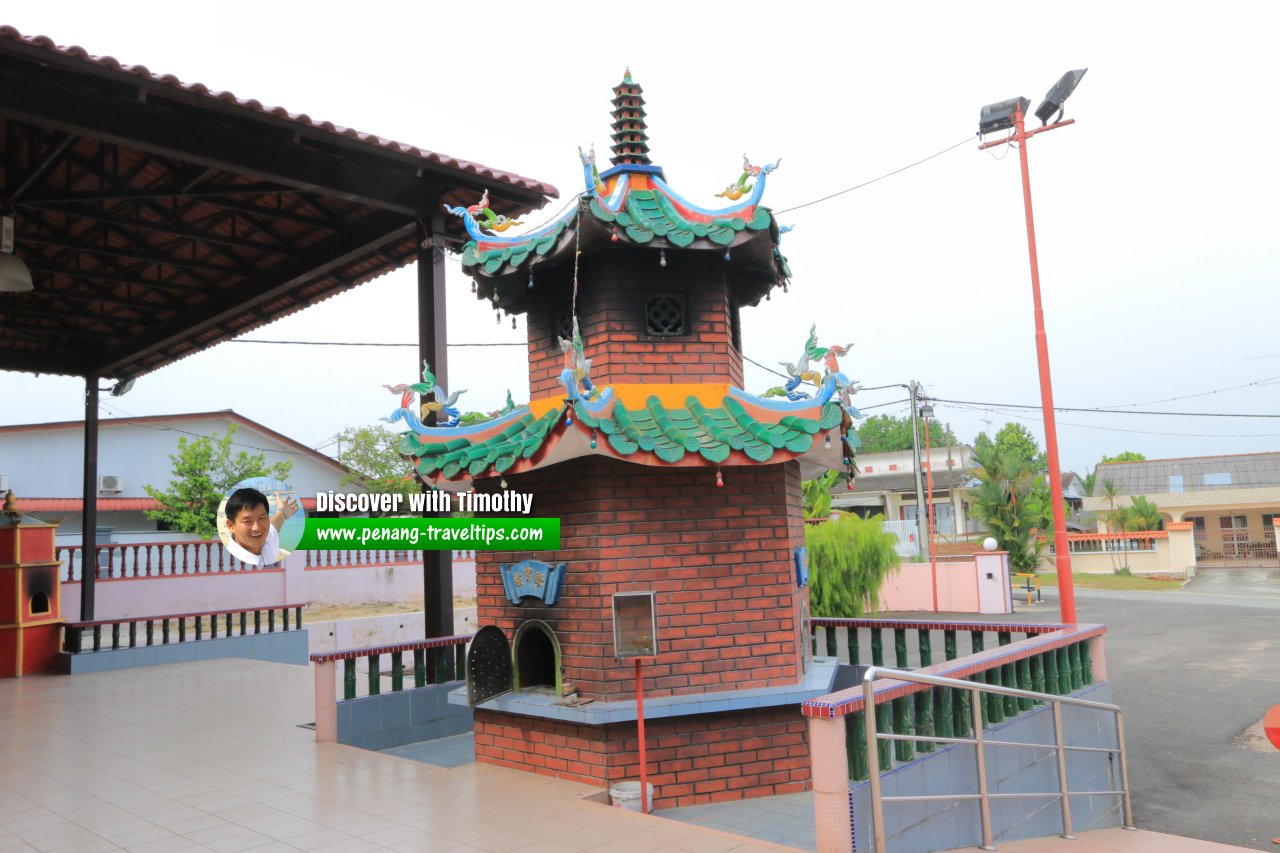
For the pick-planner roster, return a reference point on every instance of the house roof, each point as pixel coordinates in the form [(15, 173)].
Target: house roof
[(1198, 473), (160, 218), (905, 481), (223, 414)]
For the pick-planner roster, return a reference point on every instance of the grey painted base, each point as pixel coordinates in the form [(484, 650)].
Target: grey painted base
[(946, 825), (406, 716), (278, 647)]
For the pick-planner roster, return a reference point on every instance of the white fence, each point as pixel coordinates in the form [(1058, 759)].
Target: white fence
[(906, 531)]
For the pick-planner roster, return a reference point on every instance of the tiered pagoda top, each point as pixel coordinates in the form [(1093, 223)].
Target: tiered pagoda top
[(630, 141), (648, 403)]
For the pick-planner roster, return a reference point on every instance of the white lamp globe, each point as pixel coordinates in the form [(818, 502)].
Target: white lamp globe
[(989, 544)]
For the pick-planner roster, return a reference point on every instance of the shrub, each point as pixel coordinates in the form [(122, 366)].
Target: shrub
[(849, 559)]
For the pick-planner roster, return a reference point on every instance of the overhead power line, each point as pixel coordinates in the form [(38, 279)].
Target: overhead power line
[(365, 343), (1099, 411), (964, 141)]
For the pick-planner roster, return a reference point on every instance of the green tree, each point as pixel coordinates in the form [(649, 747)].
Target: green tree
[(849, 559), (1013, 501), (374, 462), (885, 433), (204, 470), (1140, 515), (817, 495), (1017, 439), (1115, 517)]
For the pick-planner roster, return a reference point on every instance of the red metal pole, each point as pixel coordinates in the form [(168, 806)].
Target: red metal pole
[(644, 764), (1066, 589), (933, 554)]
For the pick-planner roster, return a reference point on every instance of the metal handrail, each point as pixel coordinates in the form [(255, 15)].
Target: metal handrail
[(984, 796)]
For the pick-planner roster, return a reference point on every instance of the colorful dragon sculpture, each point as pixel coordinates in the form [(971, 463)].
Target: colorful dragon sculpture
[(576, 376), (484, 218), (830, 382), (735, 191), (444, 407)]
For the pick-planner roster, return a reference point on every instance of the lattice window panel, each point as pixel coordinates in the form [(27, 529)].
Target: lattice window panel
[(664, 316)]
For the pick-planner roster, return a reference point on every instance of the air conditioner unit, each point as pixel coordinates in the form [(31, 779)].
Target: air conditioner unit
[(113, 483), (4, 484)]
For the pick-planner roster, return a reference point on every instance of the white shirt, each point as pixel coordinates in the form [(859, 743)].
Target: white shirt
[(270, 550)]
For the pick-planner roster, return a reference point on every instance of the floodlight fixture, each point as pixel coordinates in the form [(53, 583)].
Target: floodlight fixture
[(1058, 95), (123, 387), (1000, 116), (14, 275), (926, 410)]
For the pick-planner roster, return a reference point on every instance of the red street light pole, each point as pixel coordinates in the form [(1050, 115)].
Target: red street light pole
[(1066, 589)]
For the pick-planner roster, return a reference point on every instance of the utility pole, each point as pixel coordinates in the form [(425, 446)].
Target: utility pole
[(921, 536)]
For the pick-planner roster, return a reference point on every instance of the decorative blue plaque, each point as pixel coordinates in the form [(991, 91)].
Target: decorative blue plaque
[(532, 579), (802, 566)]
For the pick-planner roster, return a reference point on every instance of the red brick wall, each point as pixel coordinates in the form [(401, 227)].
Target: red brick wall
[(612, 293), (721, 561), (702, 759)]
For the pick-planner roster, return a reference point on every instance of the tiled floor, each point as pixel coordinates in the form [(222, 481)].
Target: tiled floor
[(785, 819), (208, 756), (442, 752), (1117, 841)]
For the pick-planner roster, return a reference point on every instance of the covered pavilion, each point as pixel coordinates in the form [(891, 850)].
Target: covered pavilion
[(160, 218)]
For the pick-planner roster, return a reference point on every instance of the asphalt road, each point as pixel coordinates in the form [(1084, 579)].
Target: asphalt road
[(1194, 669)]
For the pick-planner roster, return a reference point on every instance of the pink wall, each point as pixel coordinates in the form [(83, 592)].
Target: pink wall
[(980, 585)]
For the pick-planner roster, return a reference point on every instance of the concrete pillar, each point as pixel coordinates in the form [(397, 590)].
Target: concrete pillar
[(830, 768), (1182, 547), (1098, 656), (326, 703), (295, 579)]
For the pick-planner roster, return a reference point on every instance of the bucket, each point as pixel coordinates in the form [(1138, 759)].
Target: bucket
[(626, 795)]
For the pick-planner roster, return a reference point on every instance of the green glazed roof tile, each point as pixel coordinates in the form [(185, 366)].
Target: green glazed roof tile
[(668, 433)]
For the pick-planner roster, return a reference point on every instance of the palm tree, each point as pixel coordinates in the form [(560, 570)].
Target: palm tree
[(1010, 502), (1142, 515), (1111, 491)]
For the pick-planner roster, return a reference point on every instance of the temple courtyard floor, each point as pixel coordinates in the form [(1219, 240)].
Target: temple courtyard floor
[(211, 756)]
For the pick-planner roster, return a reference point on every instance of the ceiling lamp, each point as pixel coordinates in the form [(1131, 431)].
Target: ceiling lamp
[(14, 275)]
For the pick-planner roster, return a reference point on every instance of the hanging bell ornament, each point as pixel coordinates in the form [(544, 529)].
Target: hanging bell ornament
[(473, 287), (593, 441), (826, 441), (503, 482), (719, 479), (662, 258), (727, 256), (614, 237), (513, 321), (531, 280), (497, 317)]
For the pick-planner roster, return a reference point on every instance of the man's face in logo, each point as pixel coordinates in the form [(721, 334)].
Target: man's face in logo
[(249, 528)]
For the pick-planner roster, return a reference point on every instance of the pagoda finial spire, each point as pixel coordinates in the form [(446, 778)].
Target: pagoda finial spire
[(630, 139)]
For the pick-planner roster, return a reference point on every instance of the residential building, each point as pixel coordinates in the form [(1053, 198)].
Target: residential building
[(886, 485), (41, 463), (1232, 501)]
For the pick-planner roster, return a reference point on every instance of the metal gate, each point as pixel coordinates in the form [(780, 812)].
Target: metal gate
[(489, 670)]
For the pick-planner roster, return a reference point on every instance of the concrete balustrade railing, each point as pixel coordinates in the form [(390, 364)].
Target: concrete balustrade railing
[(1056, 659), (142, 631), (435, 661), (118, 561)]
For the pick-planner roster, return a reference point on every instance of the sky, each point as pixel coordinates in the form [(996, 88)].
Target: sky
[(1157, 220)]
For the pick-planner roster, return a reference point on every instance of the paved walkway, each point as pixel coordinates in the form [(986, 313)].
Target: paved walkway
[(1117, 841), (209, 756)]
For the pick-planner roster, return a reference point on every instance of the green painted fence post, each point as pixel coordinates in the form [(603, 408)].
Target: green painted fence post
[(1051, 683), (884, 725), (375, 674), (349, 678), (151, 633), (419, 668), (397, 671), (877, 647), (943, 717), (924, 699), (855, 738), (963, 716), (813, 639), (995, 702), (831, 641), (851, 640), (1073, 656), (1024, 683), (1064, 672), (900, 647), (1086, 662), (903, 725)]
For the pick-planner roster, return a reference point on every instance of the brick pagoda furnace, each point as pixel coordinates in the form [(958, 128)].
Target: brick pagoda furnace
[(666, 477)]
